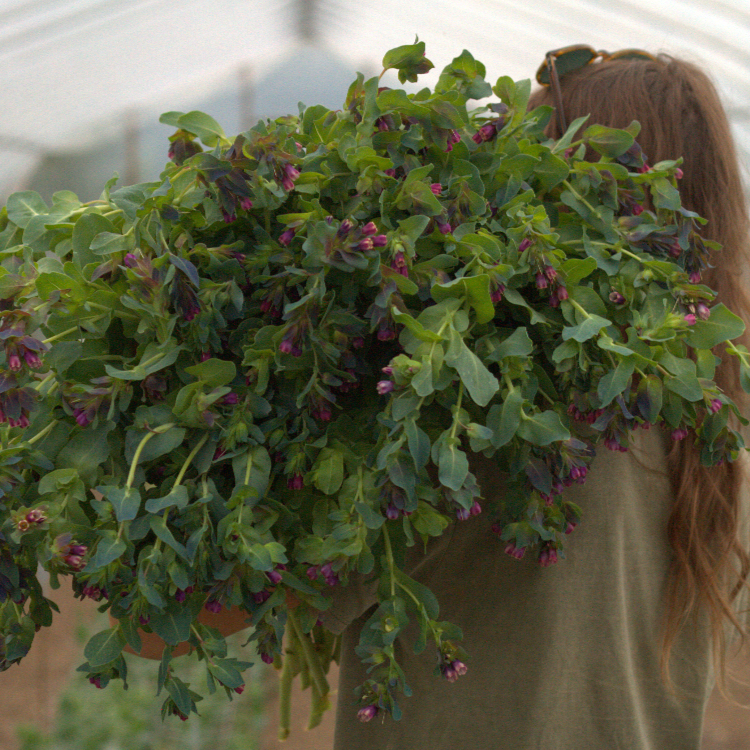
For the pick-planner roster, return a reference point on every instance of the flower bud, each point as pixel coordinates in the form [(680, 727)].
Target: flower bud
[(525, 244), (367, 713), (703, 311), (286, 237), (385, 386)]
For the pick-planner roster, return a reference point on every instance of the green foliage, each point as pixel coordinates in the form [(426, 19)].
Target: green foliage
[(119, 719), (270, 368)]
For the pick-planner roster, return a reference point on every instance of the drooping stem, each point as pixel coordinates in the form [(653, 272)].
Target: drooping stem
[(42, 433), (285, 698), (189, 460), (137, 457), (72, 330), (389, 558), (579, 308), (458, 408), (317, 675), (319, 705)]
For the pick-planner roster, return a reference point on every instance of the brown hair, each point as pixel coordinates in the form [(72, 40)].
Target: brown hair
[(681, 116)]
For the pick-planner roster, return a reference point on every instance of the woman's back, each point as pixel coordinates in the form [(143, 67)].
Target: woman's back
[(561, 657)]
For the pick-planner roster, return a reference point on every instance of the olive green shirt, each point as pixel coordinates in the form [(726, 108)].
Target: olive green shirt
[(561, 658)]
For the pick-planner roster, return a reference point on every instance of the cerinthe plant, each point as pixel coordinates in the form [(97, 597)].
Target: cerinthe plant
[(270, 369)]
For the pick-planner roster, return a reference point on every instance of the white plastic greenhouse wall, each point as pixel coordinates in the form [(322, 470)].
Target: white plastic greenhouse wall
[(84, 81)]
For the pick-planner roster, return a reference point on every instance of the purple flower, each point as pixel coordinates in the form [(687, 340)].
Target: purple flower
[(213, 606), (703, 311), (369, 229), (513, 551), (14, 362), (459, 668), (462, 514), (550, 272), (385, 386), (524, 245), (38, 516), (274, 576), (714, 406), (32, 358), (385, 332), (367, 713), (445, 227), (96, 681), (345, 228), (497, 295), (548, 556), (436, 188), (295, 482), (379, 240), (695, 277), (541, 281), (690, 319), (680, 433), (616, 298), (286, 237), (267, 658), (562, 293), (246, 204)]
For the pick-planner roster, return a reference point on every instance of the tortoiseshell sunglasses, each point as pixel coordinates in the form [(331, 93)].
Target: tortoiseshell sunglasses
[(560, 62)]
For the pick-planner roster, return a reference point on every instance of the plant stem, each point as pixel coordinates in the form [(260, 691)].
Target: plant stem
[(42, 433), (319, 705), (188, 461), (308, 653), (248, 467), (285, 698), (38, 387), (454, 427), (579, 308), (156, 431), (389, 557), (579, 196), (72, 330)]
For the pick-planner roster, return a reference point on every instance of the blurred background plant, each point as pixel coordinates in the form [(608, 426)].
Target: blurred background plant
[(119, 719)]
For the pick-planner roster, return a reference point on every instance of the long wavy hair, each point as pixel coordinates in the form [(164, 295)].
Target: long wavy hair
[(681, 116)]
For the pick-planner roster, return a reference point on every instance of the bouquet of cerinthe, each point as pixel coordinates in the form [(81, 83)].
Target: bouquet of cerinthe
[(268, 370)]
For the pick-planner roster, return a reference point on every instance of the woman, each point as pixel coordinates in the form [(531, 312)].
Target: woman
[(616, 646)]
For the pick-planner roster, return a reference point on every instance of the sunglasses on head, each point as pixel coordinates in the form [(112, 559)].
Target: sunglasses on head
[(560, 62), (568, 59)]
